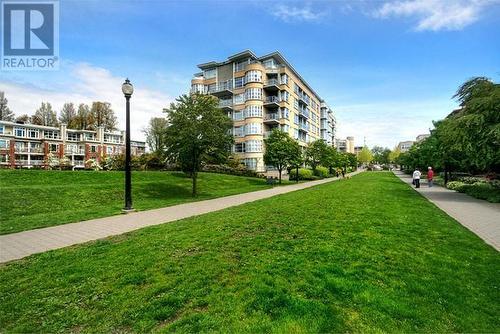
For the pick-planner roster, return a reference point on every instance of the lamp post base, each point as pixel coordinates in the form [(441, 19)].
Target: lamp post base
[(125, 211)]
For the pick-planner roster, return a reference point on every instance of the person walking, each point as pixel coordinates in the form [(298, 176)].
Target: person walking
[(416, 178), (430, 177)]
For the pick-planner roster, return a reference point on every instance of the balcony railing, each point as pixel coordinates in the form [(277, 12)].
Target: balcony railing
[(36, 150), (23, 149), (272, 82), (224, 85), (225, 103), (272, 99), (304, 112), (22, 162), (267, 134), (36, 162), (79, 163), (303, 126), (273, 116)]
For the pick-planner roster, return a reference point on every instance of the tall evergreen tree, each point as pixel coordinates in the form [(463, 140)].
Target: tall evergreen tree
[(5, 113)]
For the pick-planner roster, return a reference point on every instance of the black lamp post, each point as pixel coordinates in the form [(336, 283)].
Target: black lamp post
[(127, 90)]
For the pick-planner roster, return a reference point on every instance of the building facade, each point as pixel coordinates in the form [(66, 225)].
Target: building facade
[(404, 146), (328, 124), (345, 145), (29, 145), (261, 94)]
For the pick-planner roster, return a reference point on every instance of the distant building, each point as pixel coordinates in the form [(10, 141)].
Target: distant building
[(405, 146), (422, 137), (345, 145), (29, 145), (357, 149)]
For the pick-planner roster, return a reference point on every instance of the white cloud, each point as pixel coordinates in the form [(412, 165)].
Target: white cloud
[(289, 13), (436, 15), (85, 83)]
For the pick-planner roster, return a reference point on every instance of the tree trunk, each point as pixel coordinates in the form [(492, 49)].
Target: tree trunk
[(194, 176), (297, 175), (279, 171)]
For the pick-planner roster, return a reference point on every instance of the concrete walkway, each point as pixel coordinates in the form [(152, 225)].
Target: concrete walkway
[(481, 217), (18, 245)]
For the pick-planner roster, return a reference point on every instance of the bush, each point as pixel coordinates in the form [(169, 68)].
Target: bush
[(321, 172), (240, 170), (455, 185), (304, 174), (482, 190), (470, 179)]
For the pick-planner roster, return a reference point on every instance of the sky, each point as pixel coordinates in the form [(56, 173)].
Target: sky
[(387, 69)]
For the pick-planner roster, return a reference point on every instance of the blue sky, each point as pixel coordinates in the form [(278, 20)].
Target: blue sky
[(387, 68)]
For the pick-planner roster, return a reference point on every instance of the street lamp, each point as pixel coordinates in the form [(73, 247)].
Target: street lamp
[(127, 90)]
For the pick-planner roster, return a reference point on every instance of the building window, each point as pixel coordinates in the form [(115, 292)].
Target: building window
[(269, 63), (2, 129), (253, 76), (93, 148), (4, 158), (4, 143), (32, 133), (253, 94), (296, 103), (197, 88), (53, 147), (253, 111), (296, 118), (239, 147), (50, 134), (250, 163), (35, 147), (284, 95), (285, 128), (73, 136), (284, 79), (20, 132), (239, 131), (253, 129), (238, 82), (238, 115), (109, 150), (240, 66), (209, 74), (211, 88), (285, 113), (239, 98), (253, 146)]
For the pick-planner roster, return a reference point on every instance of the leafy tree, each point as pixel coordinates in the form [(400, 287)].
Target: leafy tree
[(281, 151), (394, 155), (45, 116), (68, 115), (381, 154), (5, 113), (316, 153), (81, 121), (365, 156), (331, 159), (101, 114), (24, 118), (155, 134), (352, 160), (197, 131)]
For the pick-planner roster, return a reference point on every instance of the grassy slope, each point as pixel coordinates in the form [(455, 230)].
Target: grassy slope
[(367, 254), (33, 199)]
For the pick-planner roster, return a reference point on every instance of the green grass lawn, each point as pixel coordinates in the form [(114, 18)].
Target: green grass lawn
[(367, 254), (36, 198)]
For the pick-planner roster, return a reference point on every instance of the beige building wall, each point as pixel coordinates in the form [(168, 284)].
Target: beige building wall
[(270, 95)]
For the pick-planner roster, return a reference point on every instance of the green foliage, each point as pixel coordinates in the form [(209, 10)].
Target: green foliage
[(365, 255), (468, 139), (365, 156), (5, 113), (198, 132), (381, 155), (282, 151), (316, 153), (455, 185), (304, 174), (321, 171)]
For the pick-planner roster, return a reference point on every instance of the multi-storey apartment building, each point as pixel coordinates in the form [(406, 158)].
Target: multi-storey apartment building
[(404, 146), (29, 145), (345, 145), (328, 124), (261, 94)]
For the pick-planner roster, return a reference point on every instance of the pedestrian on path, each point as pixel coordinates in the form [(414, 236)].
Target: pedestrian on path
[(416, 178), (430, 176)]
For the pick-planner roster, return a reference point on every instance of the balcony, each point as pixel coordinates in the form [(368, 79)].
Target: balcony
[(272, 69), (272, 101), (21, 149), (223, 88), (267, 134), (304, 99), (36, 150), (79, 163), (21, 162), (226, 104), (303, 127), (304, 112), (273, 118), (272, 85), (36, 162)]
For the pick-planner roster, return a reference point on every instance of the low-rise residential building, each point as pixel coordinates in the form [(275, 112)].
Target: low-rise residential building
[(422, 137), (29, 145), (261, 94)]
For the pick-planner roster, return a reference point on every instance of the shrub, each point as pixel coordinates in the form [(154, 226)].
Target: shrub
[(455, 185), (482, 190), (321, 171), (304, 174), (470, 179), (241, 170)]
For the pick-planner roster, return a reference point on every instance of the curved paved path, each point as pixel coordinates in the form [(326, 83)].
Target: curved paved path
[(481, 217), (18, 245)]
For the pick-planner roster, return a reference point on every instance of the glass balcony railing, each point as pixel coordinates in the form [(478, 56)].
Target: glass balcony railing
[(225, 103), (272, 99), (272, 82), (273, 116)]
